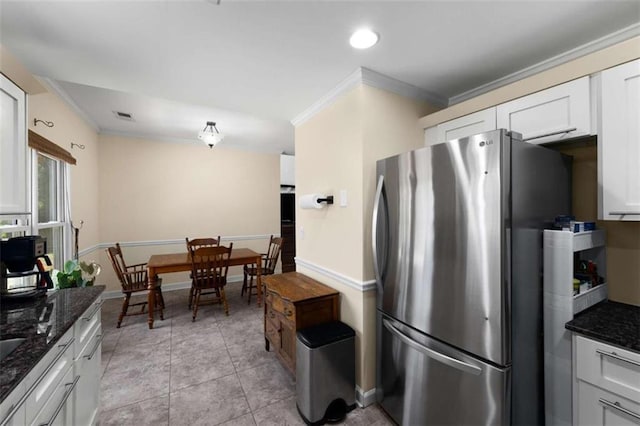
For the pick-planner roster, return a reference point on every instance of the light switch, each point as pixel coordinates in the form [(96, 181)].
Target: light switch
[(301, 232), (343, 198)]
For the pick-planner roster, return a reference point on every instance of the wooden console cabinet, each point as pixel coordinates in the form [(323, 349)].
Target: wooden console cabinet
[(294, 301)]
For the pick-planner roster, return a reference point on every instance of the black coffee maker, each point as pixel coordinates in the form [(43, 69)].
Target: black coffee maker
[(24, 267)]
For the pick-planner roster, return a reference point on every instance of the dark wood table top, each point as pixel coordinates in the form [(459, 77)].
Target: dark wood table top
[(239, 256), (295, 287)]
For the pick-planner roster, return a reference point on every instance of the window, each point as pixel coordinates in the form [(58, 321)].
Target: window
[(49, 201)]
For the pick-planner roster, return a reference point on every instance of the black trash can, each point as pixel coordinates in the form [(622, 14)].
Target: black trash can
[(325, 372)]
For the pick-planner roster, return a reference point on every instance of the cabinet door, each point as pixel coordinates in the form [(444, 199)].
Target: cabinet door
[(619, 143), (288, 343), (12, 413), (14, 161), (469, 125), (557, 113)]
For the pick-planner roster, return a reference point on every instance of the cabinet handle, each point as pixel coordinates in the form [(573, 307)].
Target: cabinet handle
[(37, 382), (95, 348), (626, 213), (288, 312), (95, 311), (66, 396), (544, 135), (618, 357), (616, 406)]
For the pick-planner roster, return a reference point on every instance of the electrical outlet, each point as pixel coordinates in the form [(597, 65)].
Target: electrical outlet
[(301, 232), (343, 198)]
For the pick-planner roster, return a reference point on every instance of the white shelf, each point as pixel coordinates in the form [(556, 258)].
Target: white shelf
[(560, 305), (589, 298)]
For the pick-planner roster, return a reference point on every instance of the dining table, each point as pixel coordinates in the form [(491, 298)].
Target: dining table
[(181, 262)]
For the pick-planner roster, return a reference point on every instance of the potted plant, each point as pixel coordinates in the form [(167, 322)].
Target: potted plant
[(77, 274)]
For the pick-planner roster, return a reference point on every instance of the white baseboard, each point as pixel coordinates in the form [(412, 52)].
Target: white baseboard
[(364, 399), (114, 294)]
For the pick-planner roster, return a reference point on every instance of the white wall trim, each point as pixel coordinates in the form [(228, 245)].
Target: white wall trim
[(367, 398), (65, 97), (371, 78), (343, 279), (142, 243), (585, 49), (114, 294)]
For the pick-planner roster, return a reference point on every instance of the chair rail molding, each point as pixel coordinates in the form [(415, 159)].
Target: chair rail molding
[(343, 279)]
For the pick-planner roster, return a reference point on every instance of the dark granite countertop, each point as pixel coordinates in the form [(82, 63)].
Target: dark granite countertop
[(42, 321), (610, 322)]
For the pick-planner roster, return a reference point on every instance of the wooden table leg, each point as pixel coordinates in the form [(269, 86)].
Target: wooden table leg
[(151, 301), (259, 280)]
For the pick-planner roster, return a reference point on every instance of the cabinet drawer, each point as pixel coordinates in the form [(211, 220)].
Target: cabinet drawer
[(599, 407), (608, 367), (87, 367), (86, 326), (49, 380), (58, 410), (12, 411), (284, 307)]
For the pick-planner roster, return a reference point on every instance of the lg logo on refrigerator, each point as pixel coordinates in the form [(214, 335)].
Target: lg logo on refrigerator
[(483, 143)]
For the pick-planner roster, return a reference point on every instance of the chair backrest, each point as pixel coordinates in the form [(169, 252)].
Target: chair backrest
[(197, 243), (271, 259), (130, 280), (209, 266)]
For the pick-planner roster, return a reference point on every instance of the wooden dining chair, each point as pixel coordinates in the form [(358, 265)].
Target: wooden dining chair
[(192, 246), (209, 267), (133, 279), (269, 262)]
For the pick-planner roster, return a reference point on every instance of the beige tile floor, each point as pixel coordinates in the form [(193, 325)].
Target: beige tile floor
[(213, 371)]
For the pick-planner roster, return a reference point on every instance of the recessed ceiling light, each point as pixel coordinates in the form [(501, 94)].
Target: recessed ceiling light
[(363, 39)]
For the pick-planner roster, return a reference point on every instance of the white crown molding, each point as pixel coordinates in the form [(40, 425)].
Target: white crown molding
[(343, 279), (585, 49), (62, 94), (143, 243), (371, 78), (364, 399)]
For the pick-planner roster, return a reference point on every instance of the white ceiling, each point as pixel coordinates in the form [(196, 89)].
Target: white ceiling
[(254, 66)]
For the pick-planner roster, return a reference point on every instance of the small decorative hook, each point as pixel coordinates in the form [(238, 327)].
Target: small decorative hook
[(46, 123), (76, 144)]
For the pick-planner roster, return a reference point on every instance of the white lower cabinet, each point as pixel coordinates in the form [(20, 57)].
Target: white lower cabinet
[(64, 387), (606, 389)]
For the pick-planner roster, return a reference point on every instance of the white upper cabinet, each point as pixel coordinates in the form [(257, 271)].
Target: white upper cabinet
[(554, 114), (619, 143), (287, 170), (14, 161), (468, 125)]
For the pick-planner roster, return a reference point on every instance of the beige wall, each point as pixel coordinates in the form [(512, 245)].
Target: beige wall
[(151, 190), (623, 238), (16, 72), (337, 149)]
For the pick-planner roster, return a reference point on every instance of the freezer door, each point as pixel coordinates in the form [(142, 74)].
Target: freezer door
[(440, 226), (424, 382)]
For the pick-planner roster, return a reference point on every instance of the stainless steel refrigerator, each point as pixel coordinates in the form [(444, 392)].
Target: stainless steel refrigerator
[(457, 254)]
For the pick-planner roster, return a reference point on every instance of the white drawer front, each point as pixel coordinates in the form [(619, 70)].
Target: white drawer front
[(611, 368), (599, 407), (88, 367), (86, 326), (58, 410), (49, 380), (12, 410)]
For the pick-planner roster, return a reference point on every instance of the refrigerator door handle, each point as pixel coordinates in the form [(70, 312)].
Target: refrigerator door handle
[(440, 357), (374, 231)]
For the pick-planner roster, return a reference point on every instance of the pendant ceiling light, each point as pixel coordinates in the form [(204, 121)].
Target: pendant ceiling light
[(210, 134)]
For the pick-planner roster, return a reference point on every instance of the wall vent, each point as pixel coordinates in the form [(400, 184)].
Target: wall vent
[(123, 115)]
